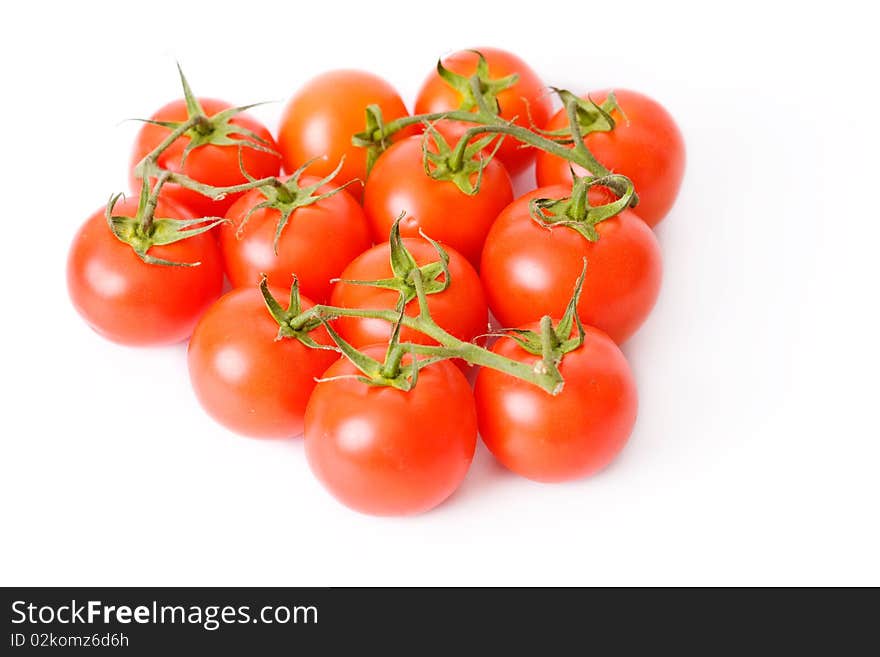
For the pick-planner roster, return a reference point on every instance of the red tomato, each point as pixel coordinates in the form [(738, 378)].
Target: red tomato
[(134, 303), (317, 243), (320, 120), (383, 451), (398, 184), (244, 378), (525, 102), (213, 165), (569, 436), (646, 146), (528, 270), (460, 309)]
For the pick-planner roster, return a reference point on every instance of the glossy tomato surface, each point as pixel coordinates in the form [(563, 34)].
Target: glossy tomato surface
[(317, 243), (213, 165), (529, 270), (460, 309), (568, 436), (383, 451), (134, 303), (321, 118), (243, 377), (439, 208), (526, 102), (646, 146)]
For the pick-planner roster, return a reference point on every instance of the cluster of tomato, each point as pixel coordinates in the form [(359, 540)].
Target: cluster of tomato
[(391, 426)]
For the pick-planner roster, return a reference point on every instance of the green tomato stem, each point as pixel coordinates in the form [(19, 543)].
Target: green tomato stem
[(489, 123), (449, 346), (391, 368), (153, 156), (549, 339), (149, 211), (579, 199), (149, 168), (580, 156), (217, 193), (403, 122), (477, 92), (456, 160)]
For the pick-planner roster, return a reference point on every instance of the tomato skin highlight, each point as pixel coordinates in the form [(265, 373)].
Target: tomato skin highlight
[(460, 309), (243, 377), (398, 184), (529, 97), (382, 451), (646, 146), (570, 436), (213, 165), (134, 303), (321, 118), (528, 270), (317, 243)]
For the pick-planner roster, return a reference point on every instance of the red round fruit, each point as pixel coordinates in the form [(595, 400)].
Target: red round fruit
[(244, 377), (527, 102), (213, 165), (131, 302), (460, 309), (383, 451), (321, 118), (563, 437), (528, 270), (439, 208), (645, 145), (317, 243)]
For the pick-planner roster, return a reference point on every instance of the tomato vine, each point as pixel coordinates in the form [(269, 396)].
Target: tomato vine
[(458, 163)]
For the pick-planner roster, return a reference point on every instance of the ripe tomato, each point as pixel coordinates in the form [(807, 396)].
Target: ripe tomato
[(134, 303), (213, 165), (528, 270), (318, 241), (525, 102), (646, 146), (383, 451), (569, 436), (320, 120), (244, 378), (398, 184), (460, 309)]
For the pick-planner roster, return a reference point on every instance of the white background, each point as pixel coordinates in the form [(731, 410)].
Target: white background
[(755, 458)]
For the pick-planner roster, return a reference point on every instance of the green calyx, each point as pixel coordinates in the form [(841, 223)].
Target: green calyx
[(373, 137), (217, 129), (144, 231), (287, 328), (391, 372), (287, 196), (575, 212), (463, 165), (434, 277), (479, 92), (584, 117), (553, 342)]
